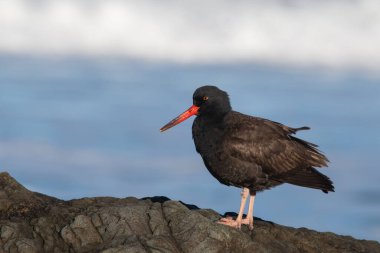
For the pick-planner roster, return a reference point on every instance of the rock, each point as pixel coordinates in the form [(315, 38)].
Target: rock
[(33, 222)]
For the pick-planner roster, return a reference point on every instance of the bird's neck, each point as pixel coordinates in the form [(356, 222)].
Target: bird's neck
[(215, 117)]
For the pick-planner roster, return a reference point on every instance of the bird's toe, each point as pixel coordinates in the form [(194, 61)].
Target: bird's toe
[(249, 222), (229, 221)]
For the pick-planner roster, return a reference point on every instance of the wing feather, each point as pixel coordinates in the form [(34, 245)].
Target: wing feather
[(270, 145)]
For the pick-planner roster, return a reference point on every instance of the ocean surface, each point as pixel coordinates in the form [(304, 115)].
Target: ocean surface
[(76, 127)]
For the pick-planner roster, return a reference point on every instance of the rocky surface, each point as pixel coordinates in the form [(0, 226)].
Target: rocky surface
[(33, 222)]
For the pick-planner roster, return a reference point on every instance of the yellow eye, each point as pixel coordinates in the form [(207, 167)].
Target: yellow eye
[(205, 98)]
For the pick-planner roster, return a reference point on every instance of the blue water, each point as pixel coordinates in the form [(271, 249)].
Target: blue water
[(77, 127)]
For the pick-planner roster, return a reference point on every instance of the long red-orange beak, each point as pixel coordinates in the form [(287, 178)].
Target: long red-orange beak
[(193, 110)]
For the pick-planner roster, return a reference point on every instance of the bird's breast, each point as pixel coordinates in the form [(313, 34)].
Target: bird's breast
[(207, 137)]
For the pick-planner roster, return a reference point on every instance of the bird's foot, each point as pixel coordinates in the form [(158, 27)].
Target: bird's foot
[(248, 221), (229, 221)]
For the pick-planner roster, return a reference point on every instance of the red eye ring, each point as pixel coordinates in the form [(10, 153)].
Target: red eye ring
[(205, 98)]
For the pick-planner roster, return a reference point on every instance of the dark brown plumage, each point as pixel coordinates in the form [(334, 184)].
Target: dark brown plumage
[(251, 152)]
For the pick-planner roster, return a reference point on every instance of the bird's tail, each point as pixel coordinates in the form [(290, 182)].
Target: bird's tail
[(310, 178)]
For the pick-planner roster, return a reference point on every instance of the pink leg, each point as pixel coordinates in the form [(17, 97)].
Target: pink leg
[(249, 219), (237, 223)]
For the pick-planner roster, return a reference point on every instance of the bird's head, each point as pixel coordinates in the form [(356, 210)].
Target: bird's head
[(208, 101)]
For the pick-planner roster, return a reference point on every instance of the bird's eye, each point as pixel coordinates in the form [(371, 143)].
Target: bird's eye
[(205, 98)]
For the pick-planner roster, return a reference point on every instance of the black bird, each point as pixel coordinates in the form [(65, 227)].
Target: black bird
[(250, 152)]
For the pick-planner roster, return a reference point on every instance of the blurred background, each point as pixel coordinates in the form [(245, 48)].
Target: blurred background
[(86, 85)]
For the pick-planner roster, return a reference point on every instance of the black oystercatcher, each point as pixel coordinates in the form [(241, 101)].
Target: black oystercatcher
[(250, 152)]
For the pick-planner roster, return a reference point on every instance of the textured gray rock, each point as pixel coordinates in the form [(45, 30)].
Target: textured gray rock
[(32, 222)]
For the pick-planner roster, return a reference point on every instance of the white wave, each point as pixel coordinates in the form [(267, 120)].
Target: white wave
[(334, 34)]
